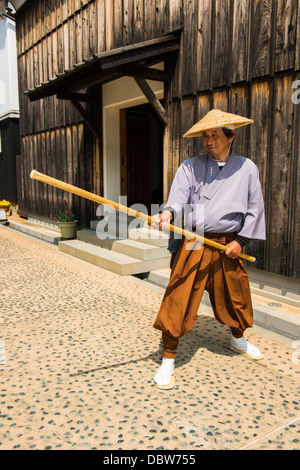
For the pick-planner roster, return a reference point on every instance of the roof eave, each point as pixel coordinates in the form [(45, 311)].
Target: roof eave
[(108, 65)]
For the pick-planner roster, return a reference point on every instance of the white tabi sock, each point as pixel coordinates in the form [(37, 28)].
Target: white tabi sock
[(243, 346), (164, 374)]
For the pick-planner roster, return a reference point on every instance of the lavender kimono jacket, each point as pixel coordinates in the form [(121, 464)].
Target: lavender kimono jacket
[(220, 200)]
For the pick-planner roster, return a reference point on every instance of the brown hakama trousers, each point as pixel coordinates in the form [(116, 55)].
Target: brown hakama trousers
[(192, 272)]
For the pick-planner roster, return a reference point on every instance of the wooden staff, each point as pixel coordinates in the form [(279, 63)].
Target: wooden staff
[(119, 207)]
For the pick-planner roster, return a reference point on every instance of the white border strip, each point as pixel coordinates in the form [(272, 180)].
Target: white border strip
[(267, 435)]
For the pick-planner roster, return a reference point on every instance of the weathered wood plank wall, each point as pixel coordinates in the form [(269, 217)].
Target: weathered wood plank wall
[(238, 55)]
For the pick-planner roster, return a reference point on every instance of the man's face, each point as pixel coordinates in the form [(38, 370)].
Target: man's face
[(216, 142)]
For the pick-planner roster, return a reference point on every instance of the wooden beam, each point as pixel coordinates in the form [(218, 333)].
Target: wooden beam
[(137, 52), (93, 127), (153, 100), (91, 79), (65, 95), (144, 72)]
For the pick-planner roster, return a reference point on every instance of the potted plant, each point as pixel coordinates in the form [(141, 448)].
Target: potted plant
[(67, 224), (5, 205)]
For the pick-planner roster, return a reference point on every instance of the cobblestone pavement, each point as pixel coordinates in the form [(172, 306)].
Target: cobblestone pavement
[(79, 354)]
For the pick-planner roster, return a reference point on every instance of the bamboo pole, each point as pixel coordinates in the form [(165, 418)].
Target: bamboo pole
[(127, 210)]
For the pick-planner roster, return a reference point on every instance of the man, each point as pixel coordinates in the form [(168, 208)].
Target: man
[(227, 188)]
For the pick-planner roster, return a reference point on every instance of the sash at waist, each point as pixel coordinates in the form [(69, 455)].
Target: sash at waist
[(221, 238)]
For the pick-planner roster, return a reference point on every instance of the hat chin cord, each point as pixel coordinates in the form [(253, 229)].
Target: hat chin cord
[(221, 159)]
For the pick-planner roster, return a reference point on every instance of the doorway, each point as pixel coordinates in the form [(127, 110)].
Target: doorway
[(141, 163)]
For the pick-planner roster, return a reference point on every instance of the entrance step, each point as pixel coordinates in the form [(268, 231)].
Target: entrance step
[(149, 236), (277, 286), (142, 233), (43, 233), (140, 250), (130, 247), (109, 259), (109, 229)]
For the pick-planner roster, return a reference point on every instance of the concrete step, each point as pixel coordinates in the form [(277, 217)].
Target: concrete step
[(45, 222), (132, 248), (116, 223), (149, 236), (143, 233), (160, 276), (110, 230), (281, 318), (45, 234), (142, 251), (277, 286), (113, 261), (90, 236)]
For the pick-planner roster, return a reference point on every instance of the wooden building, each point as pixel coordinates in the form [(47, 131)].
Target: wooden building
[(107, 88)]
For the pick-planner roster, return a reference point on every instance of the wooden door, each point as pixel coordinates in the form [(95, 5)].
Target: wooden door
[(141, 156)]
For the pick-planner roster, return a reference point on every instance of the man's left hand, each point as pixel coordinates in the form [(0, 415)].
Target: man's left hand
[(234, 250)]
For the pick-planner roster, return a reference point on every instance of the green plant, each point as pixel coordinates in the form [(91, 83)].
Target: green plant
[(66, 217)]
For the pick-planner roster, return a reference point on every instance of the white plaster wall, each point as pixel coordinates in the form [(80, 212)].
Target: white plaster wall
[(9, 97), (116, 95)]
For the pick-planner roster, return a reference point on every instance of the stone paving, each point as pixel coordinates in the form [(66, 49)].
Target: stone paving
[(79, 354)]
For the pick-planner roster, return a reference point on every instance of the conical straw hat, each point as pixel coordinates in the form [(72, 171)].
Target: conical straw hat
[(217, 118)]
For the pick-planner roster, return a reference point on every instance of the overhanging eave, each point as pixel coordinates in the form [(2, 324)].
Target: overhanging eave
[(134, 59)]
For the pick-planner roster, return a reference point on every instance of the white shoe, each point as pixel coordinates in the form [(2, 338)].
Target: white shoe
[(241, 346), (165, 377)]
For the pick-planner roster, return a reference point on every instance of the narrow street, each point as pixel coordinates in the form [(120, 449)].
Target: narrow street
[(79, 354)]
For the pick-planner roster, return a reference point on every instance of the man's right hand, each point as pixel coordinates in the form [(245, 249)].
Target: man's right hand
[(161, 221)]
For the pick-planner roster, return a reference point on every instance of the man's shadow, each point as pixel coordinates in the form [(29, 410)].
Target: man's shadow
[(207, 334)]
